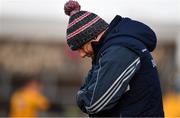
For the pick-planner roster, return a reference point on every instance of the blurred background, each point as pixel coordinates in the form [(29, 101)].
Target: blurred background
[(34, 56)]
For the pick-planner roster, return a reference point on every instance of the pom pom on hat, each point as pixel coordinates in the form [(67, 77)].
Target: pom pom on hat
[(83, 26), (71, 7)]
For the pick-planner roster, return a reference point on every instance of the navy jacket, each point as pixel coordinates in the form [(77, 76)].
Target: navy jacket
[(123, 80)]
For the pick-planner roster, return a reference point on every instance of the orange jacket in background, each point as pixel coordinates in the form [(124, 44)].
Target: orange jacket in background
[(171, 103), (27, 103)]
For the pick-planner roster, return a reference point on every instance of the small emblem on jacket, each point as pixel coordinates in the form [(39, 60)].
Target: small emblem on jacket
[(144, 50), (153, 63)]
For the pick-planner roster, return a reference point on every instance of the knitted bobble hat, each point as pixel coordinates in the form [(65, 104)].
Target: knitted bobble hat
[(83, 25)]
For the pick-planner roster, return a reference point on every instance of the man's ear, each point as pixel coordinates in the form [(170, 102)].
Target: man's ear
[(94, 40), (98, 38)]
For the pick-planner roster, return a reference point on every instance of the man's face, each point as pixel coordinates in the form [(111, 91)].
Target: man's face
[(86, 50)]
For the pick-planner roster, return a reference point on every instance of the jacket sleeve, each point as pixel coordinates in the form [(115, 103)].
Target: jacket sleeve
[(108, 80)]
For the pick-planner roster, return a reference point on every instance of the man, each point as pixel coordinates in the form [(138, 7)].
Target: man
[(123, 80), (28, 100)]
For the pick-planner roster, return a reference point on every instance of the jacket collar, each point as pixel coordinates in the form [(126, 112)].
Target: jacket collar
[(97, 46)]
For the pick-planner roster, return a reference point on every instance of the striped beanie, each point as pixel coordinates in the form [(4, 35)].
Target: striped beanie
[(83, 25)]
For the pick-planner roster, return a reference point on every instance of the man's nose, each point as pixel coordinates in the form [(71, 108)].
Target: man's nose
[(82, 53)]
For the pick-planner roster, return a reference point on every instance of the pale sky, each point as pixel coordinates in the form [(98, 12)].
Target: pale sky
[(46, 18), (161, 10)]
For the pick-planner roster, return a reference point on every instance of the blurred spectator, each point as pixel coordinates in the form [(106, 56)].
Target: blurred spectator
[(171, 99), (172, 104), (27, 100)]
